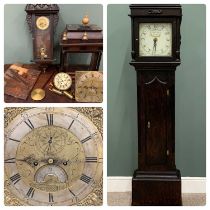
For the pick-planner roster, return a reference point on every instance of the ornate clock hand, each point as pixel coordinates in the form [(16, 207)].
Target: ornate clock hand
[(155, 43), (30, 161), (49, 145)]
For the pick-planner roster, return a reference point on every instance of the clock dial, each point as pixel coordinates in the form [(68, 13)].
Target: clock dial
[(155, 39), (89, 86), (62, 81), (42, 23), (52, 157)]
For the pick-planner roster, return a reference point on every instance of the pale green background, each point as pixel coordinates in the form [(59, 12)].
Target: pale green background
[(18, 42), (190, 94)]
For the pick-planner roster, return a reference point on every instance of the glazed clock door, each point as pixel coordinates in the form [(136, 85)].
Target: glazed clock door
[(43, 41), (53, 156), (156, 100), (154, 39)]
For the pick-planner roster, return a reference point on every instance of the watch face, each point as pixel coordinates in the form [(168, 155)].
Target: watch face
[(62, 81), (155, 39), (42, 23), (53, 156), (89, 86)]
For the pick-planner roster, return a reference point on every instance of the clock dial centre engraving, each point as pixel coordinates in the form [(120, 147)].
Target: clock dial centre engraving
[(55, 151)]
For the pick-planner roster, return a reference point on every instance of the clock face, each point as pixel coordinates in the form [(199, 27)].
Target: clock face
[(155, 39), (62, 81), (42, 23), (53, 156), (89, 86)]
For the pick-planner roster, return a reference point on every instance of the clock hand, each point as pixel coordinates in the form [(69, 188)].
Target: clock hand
[(155, 43), (29, 160), (49, 144)]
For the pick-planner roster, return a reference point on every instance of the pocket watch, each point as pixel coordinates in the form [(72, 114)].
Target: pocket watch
[(62, 81), (53, 156), (89, 86)]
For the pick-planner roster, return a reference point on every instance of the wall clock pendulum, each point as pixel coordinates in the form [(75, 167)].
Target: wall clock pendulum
[(155, 55), (42, 20)]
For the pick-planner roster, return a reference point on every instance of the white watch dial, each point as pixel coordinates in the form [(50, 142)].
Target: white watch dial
[(155, 39)]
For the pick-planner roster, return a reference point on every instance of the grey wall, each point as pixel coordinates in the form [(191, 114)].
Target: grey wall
[(18, 42), (190, 94)]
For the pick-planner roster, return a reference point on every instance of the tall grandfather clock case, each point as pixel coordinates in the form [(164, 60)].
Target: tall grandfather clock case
[(155, 55)]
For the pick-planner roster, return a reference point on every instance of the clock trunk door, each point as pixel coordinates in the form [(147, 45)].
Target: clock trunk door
[(156, 123), (157, 116)]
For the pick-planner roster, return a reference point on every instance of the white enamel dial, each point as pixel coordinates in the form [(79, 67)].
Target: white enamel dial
[(62, 81), (52, 156), (155, 39)]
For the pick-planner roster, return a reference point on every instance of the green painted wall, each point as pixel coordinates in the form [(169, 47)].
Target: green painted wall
[(190, 94), (18, 42)]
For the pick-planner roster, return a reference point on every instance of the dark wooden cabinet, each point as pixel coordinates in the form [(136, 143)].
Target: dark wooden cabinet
[(156, 181), (78, 38)]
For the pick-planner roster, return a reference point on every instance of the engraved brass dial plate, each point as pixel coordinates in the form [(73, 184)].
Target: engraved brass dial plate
[(89, 86), (53, 156)]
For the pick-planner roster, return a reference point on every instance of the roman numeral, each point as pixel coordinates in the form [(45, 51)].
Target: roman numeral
[(51, 198), (88, 138), (75, 197), (49, 119), (14, 140), (71, 124), (30, 192), (10, 160), (91, 159), (29, 124), (85, 178), (15, 178), (72, 193)]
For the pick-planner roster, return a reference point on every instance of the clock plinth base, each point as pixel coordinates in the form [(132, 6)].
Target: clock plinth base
[(151, 188)]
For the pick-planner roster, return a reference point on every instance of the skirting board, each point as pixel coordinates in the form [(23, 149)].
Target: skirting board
[(189, 184)]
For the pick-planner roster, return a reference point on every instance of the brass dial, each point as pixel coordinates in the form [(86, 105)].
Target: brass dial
[(89, 86), (52, 157), (42, 23), (62, 81)]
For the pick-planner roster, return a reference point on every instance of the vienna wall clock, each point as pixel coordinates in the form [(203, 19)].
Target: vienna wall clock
[(53, 156)]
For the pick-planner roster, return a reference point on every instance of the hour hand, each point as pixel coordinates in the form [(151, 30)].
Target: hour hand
[(29, 160), (154, 44)]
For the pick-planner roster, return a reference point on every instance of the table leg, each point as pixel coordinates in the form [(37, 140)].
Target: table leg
[(93, 62), (61, 61), (98, 60), (65, 61)]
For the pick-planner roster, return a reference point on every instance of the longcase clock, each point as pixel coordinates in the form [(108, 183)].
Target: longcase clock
[(42, 20), (155, 55)]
